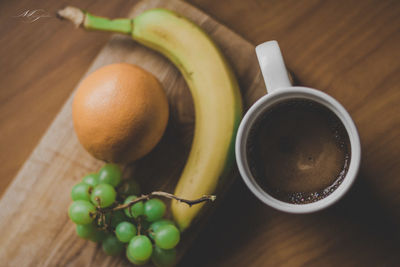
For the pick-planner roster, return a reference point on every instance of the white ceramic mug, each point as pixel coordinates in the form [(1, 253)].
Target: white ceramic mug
[(280, 89)]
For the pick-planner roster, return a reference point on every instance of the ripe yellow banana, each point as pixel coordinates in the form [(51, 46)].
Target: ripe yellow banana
[(213, 86)]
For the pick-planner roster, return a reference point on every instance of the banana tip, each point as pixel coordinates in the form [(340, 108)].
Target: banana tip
[(73, 14)]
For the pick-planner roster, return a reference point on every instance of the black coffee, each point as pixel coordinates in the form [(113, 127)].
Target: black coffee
[(298, 151)]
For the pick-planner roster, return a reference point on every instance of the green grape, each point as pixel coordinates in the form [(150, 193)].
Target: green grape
[(112, 246), (98, 236), (90, 232), (81, 212), (129, 187), (133, 260), (116, 217), (163, 257), (156, 225), (154, 209), (144, 225), (136, 210), (125, 231), (86, 231), (103, 195), (81, 191), (140, 248), (91, 179), (110, 174), (167, 236)]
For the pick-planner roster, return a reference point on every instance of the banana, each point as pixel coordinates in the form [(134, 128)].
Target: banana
[(214, 88)]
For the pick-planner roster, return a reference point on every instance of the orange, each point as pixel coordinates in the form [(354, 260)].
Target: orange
[(120, 113)]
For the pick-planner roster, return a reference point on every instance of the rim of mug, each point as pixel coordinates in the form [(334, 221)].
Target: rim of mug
[(266, 102)]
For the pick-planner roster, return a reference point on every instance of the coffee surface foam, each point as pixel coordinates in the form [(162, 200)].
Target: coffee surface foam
[(298, 151)]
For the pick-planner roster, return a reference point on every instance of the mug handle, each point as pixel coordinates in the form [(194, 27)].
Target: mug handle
[(272, 66)]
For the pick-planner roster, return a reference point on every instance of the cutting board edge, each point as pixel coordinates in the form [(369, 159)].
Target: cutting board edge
[(135, 9)]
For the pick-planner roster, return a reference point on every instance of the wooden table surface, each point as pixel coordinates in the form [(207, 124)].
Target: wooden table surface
[(349, 49)]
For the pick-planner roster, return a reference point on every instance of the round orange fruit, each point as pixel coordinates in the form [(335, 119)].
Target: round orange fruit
[(120, 113)]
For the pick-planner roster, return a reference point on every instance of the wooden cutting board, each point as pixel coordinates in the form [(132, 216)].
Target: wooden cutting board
[(34, 226)]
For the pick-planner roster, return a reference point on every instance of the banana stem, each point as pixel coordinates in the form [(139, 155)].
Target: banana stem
[(88, 21)]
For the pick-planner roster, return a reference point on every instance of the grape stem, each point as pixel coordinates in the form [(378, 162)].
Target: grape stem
[(204, 198)]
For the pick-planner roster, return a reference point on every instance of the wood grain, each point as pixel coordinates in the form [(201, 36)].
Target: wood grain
[(59, 161), (37, 78), (349, 49)]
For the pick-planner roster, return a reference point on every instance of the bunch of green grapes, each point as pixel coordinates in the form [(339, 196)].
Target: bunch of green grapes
[(140, 229)]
